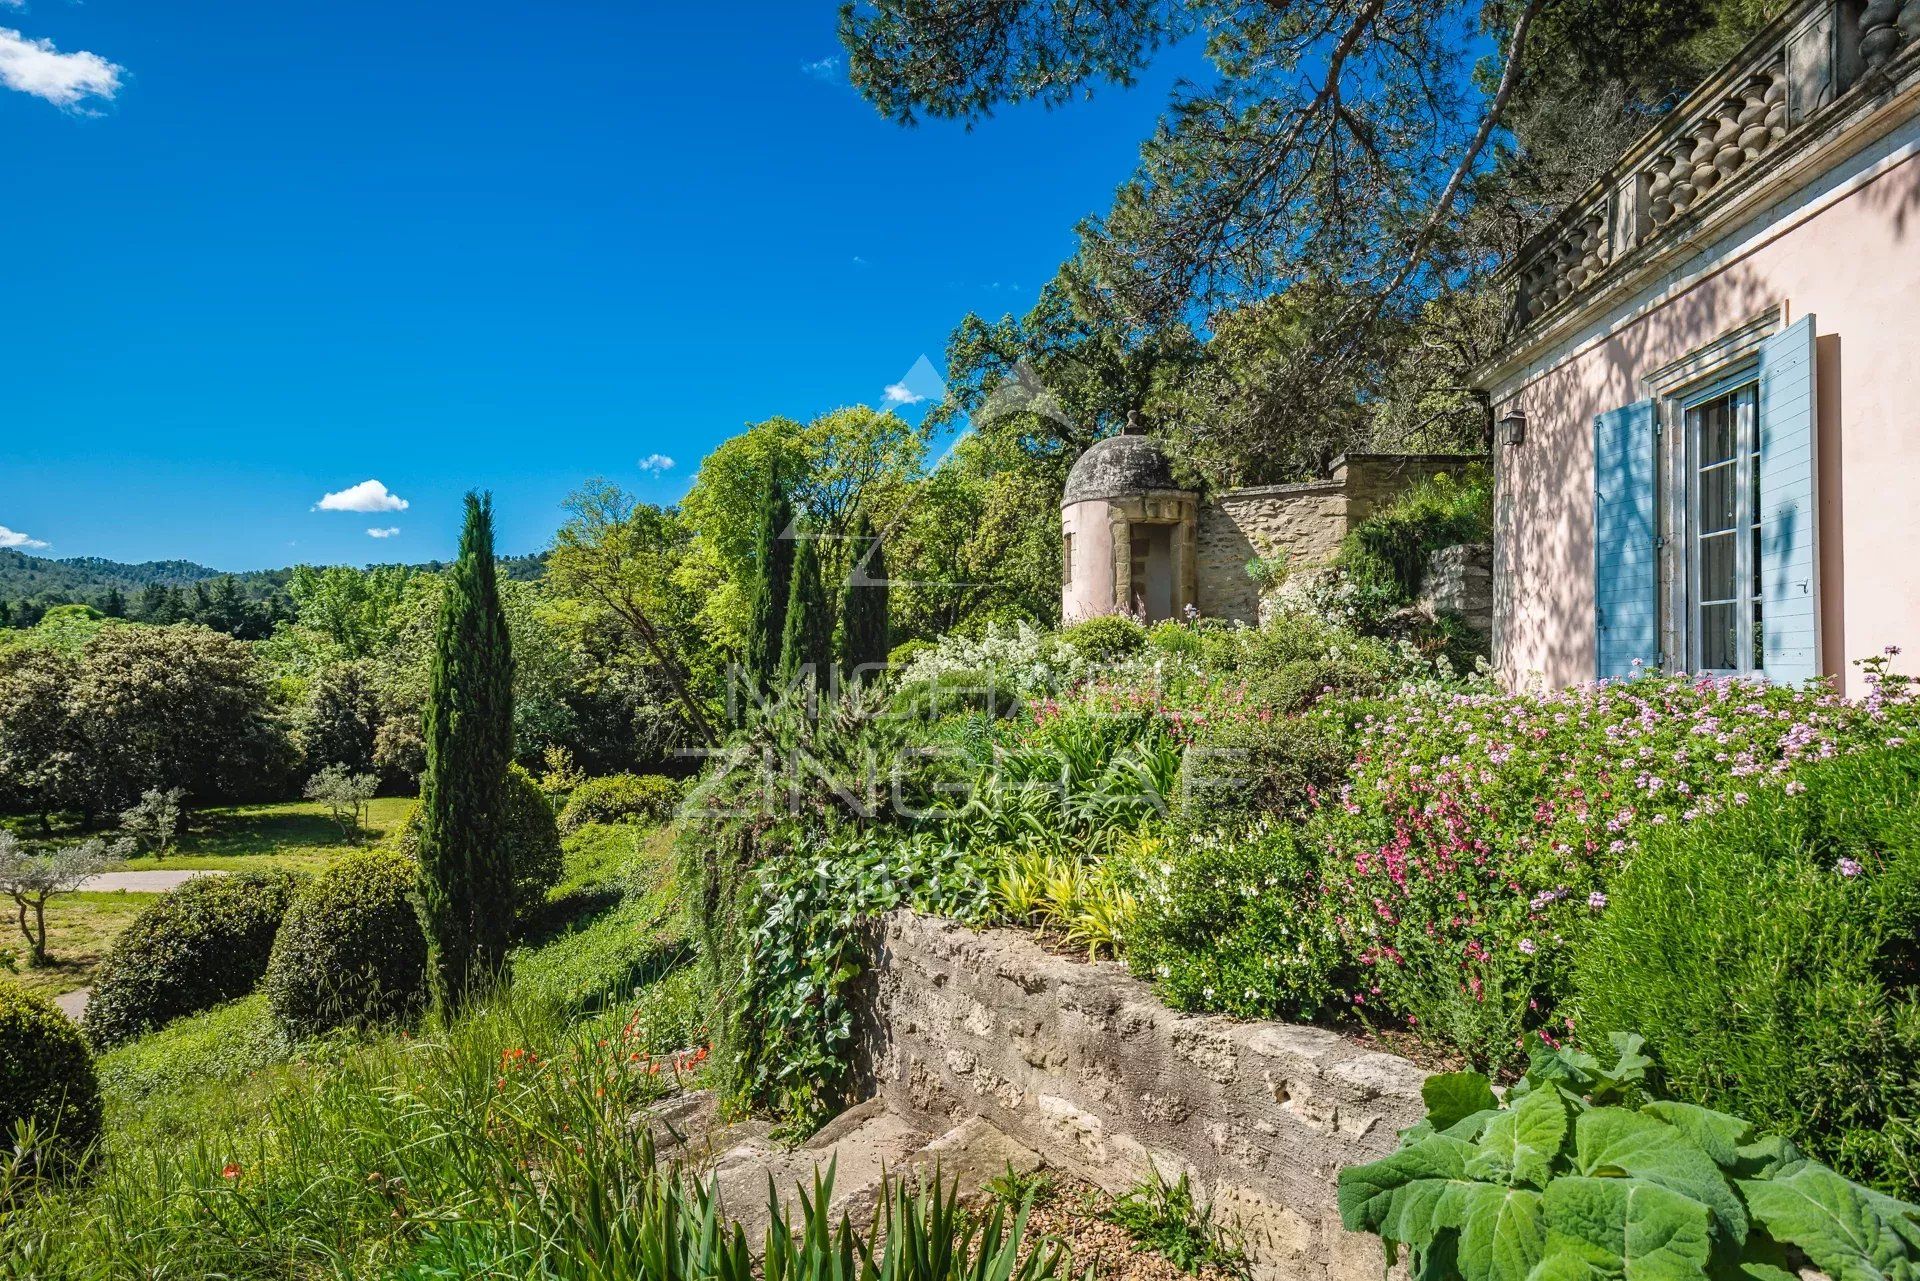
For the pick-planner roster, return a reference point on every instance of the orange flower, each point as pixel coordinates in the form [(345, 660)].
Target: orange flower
[(231, 1171)]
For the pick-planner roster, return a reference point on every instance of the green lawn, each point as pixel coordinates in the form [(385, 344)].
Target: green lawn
[(80, 927), (285, 836)]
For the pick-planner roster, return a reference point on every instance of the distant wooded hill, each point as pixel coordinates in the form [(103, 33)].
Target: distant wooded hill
[(89, 580)]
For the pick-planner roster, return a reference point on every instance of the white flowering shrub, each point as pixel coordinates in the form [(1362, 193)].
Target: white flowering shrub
[(1023, 658)]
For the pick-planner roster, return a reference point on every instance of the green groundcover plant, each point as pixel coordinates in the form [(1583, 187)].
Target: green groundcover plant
[(1582, 1173)]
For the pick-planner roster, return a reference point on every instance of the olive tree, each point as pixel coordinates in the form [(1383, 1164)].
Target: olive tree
[(31, 878)]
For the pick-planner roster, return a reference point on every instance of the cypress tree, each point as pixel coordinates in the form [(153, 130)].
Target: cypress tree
[(466, 886), (772, 583), (863, 606), (808, 643)]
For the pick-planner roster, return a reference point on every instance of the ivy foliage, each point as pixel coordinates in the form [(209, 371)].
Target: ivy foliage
[(1582, 1173)]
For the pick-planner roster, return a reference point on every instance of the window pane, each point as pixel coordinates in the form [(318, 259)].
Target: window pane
[(1718, 573), (1716, 431), (1717, 498), (1719, 637)]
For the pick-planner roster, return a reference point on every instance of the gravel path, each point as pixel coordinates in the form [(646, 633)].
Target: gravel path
[(73, 1004), (154, 882)]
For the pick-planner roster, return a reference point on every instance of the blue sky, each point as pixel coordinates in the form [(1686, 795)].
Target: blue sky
[(262, 253)]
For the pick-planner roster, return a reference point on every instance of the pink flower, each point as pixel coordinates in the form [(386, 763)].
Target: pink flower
[(1848, 868)]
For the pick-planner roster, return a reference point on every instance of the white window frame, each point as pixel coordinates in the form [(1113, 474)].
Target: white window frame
[(1743, 384), (1713, 369)]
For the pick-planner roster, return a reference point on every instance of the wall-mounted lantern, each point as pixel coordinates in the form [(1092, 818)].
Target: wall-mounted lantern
[(1513, 427)]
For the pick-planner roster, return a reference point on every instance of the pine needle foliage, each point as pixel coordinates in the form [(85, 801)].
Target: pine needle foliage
[(466, 882)]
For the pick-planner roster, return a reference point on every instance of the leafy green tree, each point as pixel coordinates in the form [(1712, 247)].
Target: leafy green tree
[(806, 649), (772, 583), (89, 728), (621, 557), (1270, 399), (832, 467), (466, 884), (338, 721), (353, 610), (863, 609), (979, 541), (113, 604)]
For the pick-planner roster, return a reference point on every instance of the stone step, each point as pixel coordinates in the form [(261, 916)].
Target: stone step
[(864, 1147)]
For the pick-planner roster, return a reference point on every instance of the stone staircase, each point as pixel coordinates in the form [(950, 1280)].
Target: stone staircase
[(864, 1147)]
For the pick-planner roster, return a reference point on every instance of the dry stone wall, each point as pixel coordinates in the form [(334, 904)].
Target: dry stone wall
[(1085, 1066), (1305, 522)]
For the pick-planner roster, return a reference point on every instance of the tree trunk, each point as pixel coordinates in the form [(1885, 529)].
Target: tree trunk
[(40, 930)]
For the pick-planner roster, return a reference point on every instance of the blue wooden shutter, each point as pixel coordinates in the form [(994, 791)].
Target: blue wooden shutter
[(1789, 525), (1625, 575)]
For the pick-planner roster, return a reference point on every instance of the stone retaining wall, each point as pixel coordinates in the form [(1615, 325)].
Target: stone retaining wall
[(1459, 580), (1305, 522), (1084, 1065)]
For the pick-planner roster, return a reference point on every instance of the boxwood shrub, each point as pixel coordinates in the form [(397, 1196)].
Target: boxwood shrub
[(199, 945), (47, 1081), (1773, 949), (533, 838), (350, 952), (619, 798)]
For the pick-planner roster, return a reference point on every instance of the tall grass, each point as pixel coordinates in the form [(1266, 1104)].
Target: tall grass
[(509, 1144)]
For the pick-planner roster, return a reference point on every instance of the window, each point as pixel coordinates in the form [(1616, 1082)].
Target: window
[(1066, 560), (1723, 548)]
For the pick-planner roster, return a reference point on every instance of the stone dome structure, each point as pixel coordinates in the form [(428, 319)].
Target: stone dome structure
[(1127, 532), (1129, 463)]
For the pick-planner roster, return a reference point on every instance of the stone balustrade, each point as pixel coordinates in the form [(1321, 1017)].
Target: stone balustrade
[(1777, 94)]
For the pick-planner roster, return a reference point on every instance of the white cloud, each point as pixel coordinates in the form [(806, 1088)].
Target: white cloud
[(388, 532), (827, 68), (13, 538), (13, 4), (922, 382), (656, 463), (367, 496), (64, 79)]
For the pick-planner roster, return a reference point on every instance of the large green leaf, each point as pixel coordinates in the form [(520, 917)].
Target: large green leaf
[(1503, 1231), (1520, 1145), (1399, 1196), (1626, 1229), (1850, 1232), (1715, 1133), (1611, 1142), (1452, 1097)]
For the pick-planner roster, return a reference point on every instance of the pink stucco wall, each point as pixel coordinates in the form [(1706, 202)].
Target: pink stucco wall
[(1089, 587), (1853, 263)]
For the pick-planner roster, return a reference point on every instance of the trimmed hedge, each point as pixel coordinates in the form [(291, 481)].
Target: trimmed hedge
[(350, 952), (533, 840), (203, 943), (619, 798), (47, 1079), (1773, 951)]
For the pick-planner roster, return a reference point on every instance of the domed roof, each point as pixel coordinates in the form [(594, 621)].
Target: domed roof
[(1118, 466)]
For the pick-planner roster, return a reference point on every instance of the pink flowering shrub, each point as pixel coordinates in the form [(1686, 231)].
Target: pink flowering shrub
[(1475, 838)]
